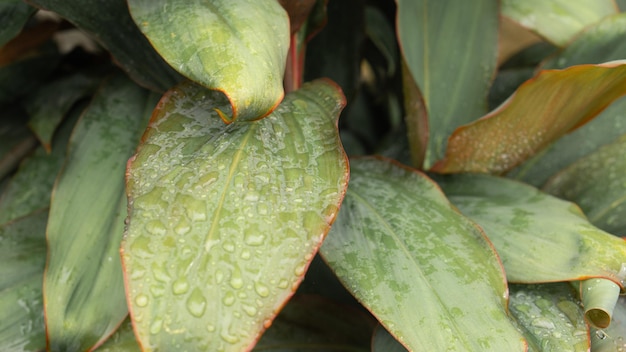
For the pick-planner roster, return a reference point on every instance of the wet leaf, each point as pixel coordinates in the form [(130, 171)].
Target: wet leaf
[(559, 20), (599, 297), (550, 316), (22, 260), (596, 183), (542, 110), (225, 219), (122, 341), (30, 187), (223, 45), (13, 16), (84, 290), (539, 238), (316, 324), (433, 35), (613, 338), (124, 40), (411, 259)]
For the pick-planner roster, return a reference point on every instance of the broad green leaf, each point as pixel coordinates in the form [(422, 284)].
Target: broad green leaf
[(13, 16), (416, 118), (84, 289), (128, 46), (225, 219), (550, 316), (621, 4), (29, 189), (238, 47), (613, 338), (49, 104), (542, 110), (381, 33), (17, 139), (558, 20), (597, 184), (22, 260), (316, 324), (450, 48), (539, 238), (599, 297), (122, 341), (606, 128), (411, 259), (383, 341)]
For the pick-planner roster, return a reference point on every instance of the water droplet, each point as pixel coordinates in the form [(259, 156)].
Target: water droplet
[(219, 276), (254, 239), (245, 254), (183, 227), (157, 290), (229, 338), (160, 274), (180, 286), (235, 280), (601, 334), (141, 300), (156, 227), (137, 273), (261, 289), (141, 247), (229, 299), (252, 196), (156, 325), (228, 246), (300, 269), (196, 303), (210, 328), (283, 284), (250, 310), (267, 323)]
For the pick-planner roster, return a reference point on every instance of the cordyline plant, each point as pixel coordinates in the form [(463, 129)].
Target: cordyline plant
[(168, 183)]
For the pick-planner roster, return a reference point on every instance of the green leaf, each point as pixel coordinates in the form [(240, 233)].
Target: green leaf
[(381, 33), (84, 289), (621, 4), (599, 297), (122, 341), (224, 219), (224, 45), (597, 184), (433, 36), (542, 110), (17, 140), (550, 316), (407, 255), (128, 46), (383, 341), (539, 238), (613, 338), (13, 16), (315, 324), (29, 189), (49, 104), (22, 260), (559, 20)]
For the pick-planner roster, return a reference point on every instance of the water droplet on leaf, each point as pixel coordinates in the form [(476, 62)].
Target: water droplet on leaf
[(196, 303)]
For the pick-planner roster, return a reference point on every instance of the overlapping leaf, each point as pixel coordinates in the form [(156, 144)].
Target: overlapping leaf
[(224, 45), (450, 48), (13, 16), (84, 291), (406, 254), (225, 219), (539, 237), (543, 109), (558, 20)]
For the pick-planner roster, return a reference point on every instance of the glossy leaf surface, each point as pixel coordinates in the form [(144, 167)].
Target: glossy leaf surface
[(539, 238), (411, 259), (559, 20), (550, 316), (22, 260), (83, 284), (315, 324), (124, 40), (543, 109), (597, 184), (434, 35), (224, 45), (224, 219), (13, 16)]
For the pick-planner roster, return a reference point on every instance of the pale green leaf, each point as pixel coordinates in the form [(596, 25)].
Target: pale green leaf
[(557, 20), (450, 48), (238, 47), (411, 259), (539, 238), (225, 219), (84, 289)]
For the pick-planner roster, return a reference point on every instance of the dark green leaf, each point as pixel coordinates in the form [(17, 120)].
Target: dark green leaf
[(224, 45), (225, 219), (122, 341), (17, 140), (123, 39), (84, 289), (450, 49), (13, 16), (406, 254)]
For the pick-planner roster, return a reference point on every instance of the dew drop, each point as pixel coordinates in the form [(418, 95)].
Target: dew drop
[(245, 254), (183, 227), (267, 323), (228, 246), (156, 325), (180, 286), (261, 289), (160, 274), (210, 328), (236, 281), (283, 284), (300, 269), (229, 299), (252, 196), (137, 273), (219, 276), (141, 300), (157, 290), (196, 303), (156, 227), (141, 247), (229, 338), (254, 239), (250, 310)]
